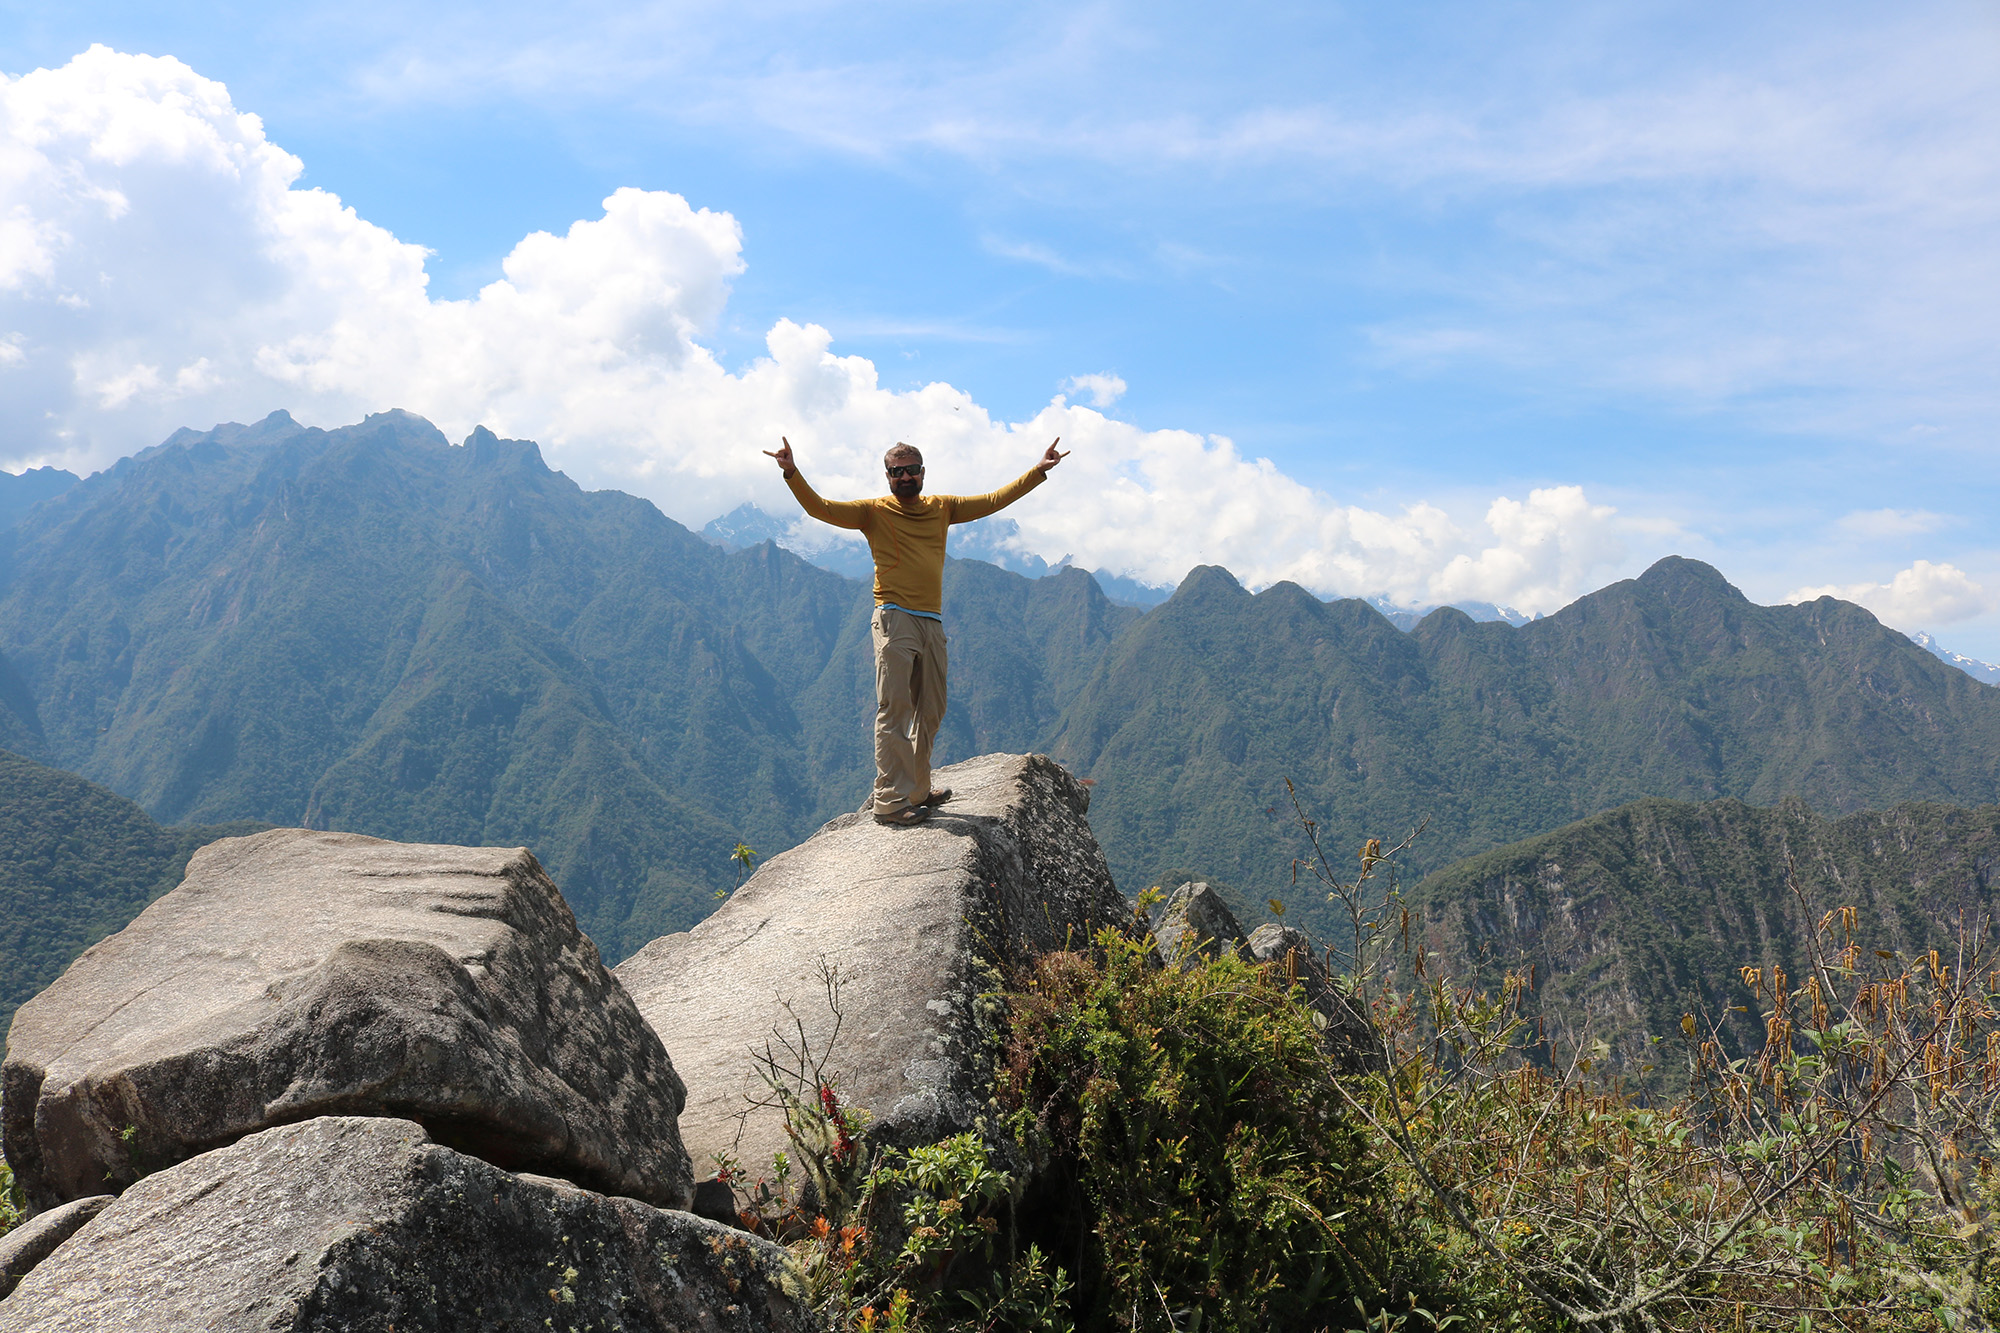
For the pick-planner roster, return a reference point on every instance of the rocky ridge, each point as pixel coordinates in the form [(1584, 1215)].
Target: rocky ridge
[(298, 973), (336, 1083), (917, 924)]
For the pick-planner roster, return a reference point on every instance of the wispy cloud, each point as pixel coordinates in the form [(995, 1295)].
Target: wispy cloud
[(1791, 213), (1891, 523), (1044, 256)]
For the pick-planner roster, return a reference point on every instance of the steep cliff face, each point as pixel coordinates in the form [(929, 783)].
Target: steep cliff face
[(1635, 917)]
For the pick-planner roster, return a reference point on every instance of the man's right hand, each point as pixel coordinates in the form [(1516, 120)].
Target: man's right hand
[(783, 453)]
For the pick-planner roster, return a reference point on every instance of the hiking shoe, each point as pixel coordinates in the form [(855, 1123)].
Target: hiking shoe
[(909, 814), (937, 797)]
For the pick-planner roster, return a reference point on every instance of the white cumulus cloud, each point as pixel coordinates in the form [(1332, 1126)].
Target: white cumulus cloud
[(1102, 390), (1924, 594), (159, 267)]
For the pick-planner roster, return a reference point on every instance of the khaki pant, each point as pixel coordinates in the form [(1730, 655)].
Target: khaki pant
[(909, 704)]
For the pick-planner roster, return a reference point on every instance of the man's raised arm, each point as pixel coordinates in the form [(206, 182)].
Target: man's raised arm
[(966, 508), (840, 513)]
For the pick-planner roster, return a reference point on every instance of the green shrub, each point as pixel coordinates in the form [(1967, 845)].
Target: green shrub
[(10, 1200), (1198, 1166)]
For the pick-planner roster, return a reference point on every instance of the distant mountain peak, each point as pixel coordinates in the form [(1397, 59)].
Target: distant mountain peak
[(488, 450), (1985, 672), (1678, 574), (1208, 581), (20, 492), (745, 525)]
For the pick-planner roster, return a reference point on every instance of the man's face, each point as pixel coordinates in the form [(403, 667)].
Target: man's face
[(906, 475)]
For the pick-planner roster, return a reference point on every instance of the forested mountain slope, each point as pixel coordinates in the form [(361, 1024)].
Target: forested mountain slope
[(1634, 917), (79, 863), (373, 629), (1669, 685)]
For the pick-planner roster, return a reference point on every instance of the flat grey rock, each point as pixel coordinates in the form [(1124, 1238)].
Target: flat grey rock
[(920, 922), (364, 1225), (1196, 924), (37, 1238), (298, 973)]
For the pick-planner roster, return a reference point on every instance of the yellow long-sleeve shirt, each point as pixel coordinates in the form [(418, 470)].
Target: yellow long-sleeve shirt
[(907, 540)]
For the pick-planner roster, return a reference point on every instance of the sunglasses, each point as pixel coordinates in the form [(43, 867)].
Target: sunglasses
[(907, 470)]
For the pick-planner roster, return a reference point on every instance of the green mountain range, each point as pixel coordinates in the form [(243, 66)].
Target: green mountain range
[(80, 862), (1668, 685), (1632, 918), (374, 629)]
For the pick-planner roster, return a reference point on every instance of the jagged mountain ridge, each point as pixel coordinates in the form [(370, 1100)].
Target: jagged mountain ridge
[(374, 629), (22, 491), (1988, 672), (1672, 685)]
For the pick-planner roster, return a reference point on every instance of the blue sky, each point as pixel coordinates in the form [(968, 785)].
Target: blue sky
[(1422, 301)]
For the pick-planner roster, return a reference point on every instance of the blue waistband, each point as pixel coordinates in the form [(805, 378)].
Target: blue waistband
[(927, 615)]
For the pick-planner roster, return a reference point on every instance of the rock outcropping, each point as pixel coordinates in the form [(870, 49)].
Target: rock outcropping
[(349, 1223), (297, 974), (1350, 1036), (919, 923), (1195, 924)]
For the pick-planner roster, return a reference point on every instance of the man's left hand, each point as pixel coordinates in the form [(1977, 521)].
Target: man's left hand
[(1051, 458)]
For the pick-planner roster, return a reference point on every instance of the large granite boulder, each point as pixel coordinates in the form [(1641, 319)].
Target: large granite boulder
[(37, 1238), (919, 922), (345, 1224), (297, 974), (1195, 924)]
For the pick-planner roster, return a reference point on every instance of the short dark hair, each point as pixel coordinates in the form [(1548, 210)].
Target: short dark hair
[(901, 450)]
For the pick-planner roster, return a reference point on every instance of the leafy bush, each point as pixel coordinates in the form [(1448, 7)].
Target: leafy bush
[(1176, 1149), (1167, 1151), (10, 1200), (1199, 1163)]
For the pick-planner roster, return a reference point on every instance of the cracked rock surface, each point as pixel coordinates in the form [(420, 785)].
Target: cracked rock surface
[(352, 1224), (300, 973), (920, 923)]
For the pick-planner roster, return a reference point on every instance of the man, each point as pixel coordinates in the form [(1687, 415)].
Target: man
[(906, 531)]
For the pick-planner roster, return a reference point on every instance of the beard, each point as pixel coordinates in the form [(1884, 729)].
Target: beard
[(907, 488)]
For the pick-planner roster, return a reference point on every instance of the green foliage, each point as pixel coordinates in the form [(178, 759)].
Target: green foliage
[(11, 1203), (1779, 1195), (1207, 1172), (1193, 1160), (1167, 1150)]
